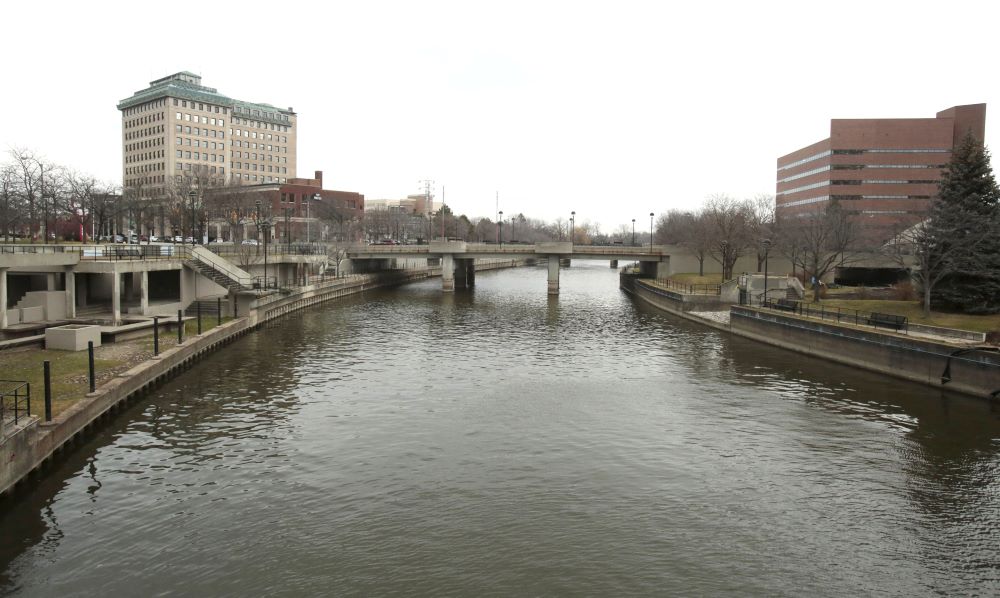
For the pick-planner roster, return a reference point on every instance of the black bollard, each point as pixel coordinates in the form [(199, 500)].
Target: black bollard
[(156, 335), (180, 326), (218, 307), (236, 307), (48, 390), (90, 359), (198, 310)]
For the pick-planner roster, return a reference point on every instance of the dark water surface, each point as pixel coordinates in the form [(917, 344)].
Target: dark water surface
[(499, 442)]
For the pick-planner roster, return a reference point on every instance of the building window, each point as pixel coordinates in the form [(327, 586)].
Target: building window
[(178, 116)]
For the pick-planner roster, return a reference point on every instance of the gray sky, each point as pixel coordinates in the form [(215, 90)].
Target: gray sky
[(612, 109)]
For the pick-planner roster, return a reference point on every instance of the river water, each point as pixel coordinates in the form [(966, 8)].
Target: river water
[(499, 442)]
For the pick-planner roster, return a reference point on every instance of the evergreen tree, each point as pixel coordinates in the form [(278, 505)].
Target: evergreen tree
[(962, 237)]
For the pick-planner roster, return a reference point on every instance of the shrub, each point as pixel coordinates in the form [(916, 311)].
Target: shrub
[(904, 291)]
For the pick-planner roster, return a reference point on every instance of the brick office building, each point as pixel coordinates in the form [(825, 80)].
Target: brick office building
[(884, 171), (300, 210)]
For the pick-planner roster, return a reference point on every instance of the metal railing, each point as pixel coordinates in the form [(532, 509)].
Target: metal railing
[(690, 289), (835, 314), (113, 252), (15, 398), (265, 282)]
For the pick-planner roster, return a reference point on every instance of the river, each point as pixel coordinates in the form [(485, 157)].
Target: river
[(500, 442)]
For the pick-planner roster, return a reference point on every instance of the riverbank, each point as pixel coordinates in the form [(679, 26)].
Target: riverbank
[(33, 442), (965, 367)]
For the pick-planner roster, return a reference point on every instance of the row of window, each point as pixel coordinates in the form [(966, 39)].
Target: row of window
[(144, 157), (199, 131), (866, 166), (205, 120), (804, 174), (207, 157), (201, 106), (145, 144), (249, 113), (802, 202), (882, 182), (860, 197), (263, 178), (144, 120), (144, 132), (259, 125), (858, 152), (199, 143), (145, 168), (252, 166), (804, 188), (189, 166), (253, 135), (145, 107), (146, 180), (253, 145), (263, 157), (805, 160)]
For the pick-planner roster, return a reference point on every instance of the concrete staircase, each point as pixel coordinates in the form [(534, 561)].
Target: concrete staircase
[(218, 269)]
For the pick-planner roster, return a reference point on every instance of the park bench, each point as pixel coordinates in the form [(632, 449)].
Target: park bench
[(887, 321)]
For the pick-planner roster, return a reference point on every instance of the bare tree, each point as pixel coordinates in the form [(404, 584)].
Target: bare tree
[(822, 242), (760, 210), (728, 223), (13, 213)]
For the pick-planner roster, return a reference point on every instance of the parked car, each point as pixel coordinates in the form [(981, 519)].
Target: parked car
[(178, 239), (250, 242)]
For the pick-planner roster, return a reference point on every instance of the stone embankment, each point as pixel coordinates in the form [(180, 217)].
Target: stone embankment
[(955, 362)]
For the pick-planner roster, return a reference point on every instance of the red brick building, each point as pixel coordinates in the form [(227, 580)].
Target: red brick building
[(883, 171), (301, 208)]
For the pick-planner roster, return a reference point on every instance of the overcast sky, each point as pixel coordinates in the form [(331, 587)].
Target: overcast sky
[(612, 109)]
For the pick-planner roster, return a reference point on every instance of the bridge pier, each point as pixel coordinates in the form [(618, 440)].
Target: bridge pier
[(447, 273), (465, 273), (554, 275)]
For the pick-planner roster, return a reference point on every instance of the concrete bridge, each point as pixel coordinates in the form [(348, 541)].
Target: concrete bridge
[(458, 257)]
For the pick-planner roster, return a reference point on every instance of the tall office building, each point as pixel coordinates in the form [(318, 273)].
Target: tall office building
[(180, 131), (884, 172)]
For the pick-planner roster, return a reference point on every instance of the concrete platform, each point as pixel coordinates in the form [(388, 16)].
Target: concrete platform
[(72, 337)]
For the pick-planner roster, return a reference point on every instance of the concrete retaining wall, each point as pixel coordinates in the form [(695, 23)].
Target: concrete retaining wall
[(976, 373), (673, 301)]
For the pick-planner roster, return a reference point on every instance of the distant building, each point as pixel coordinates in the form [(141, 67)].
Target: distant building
[(413, 204), (179, 129), (300, 210), (883, 171)]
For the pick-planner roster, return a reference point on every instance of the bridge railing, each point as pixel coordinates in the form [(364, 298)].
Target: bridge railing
[(113, 252)]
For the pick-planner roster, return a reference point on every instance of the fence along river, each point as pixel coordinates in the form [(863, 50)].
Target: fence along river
[(500, 441)]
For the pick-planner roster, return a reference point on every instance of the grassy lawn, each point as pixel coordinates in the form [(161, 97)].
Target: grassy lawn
[(694, 278), (915, 313), (68, 369)]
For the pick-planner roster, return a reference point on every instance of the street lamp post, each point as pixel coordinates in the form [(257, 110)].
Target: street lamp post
[(633, 232), (572, 227), (501, 229), (767, 247), (651, 232), (192, 195), (316, 197), (288, 233), (262, 230)]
